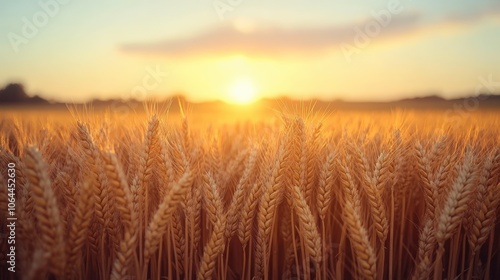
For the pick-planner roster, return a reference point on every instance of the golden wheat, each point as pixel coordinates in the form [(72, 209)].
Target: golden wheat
[(154, 198)]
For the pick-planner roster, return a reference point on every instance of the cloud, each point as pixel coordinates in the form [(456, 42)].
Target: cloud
[(270, 40), (493, 10)]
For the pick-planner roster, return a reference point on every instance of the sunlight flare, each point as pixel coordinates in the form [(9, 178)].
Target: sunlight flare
[(242, 91)]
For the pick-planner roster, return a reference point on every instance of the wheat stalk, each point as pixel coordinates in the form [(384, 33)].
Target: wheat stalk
[(215, 245), (309, 229), (269, 202), (456, 203), (158, 224), (46, 210), (358, 235), (78, 230)]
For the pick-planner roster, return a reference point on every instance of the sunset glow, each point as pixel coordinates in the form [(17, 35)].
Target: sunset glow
[(330, 50), (379, 121), (242, 91)]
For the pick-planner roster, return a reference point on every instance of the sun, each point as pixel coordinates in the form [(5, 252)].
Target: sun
[(242, 91)]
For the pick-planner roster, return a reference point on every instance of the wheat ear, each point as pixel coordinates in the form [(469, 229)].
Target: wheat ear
[(209, 201), (233, 212), (456, 203), (158, 224), (125, 206), (312, 163), (425, 171), (309, 229), (46, 210), (79, 229), (97, 178), (148, 157), (487, 201), (215, 245), (324, 192), (378, 212), (269, 202), (426, 247), (248, 213), (358, 235)]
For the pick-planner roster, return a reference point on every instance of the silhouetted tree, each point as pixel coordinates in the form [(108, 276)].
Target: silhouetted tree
[(15, 93)]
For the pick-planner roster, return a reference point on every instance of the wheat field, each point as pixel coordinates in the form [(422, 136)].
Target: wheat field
[(402, 195)]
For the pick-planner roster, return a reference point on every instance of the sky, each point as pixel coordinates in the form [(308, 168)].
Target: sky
[(241, 50)]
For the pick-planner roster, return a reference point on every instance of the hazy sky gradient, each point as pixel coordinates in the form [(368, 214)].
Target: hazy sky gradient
[(108, 49)]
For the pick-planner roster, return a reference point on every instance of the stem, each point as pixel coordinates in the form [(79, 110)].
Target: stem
[(381, 264), (227, 259), (391, 237), (275, 254), (169, 257), (249, 258), (438, 267), (340, 261), (401, 237), (244, 262), (490, 252), (323, 235), (187, 249), (471, 265), (294, 248)]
